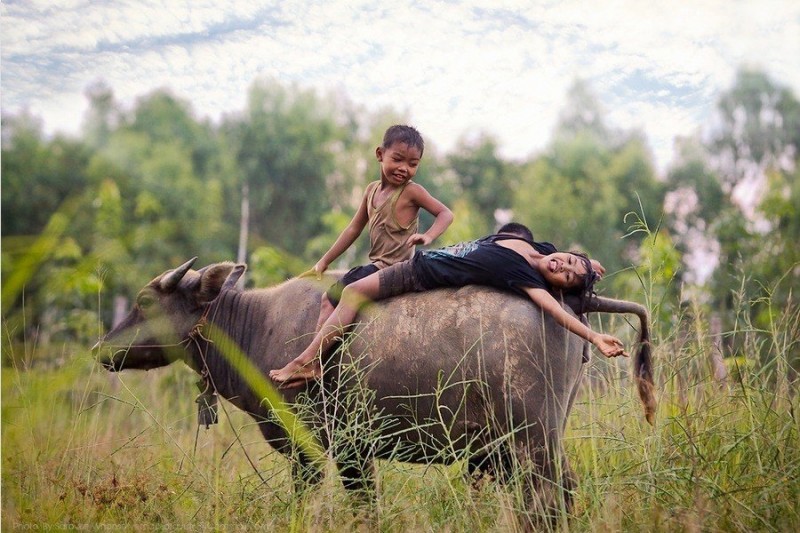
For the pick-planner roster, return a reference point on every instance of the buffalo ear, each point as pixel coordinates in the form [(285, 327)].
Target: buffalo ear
[(233, 277), (213, 279)]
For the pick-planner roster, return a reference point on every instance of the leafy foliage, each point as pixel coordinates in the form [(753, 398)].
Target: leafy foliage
[(85, 220), (283, 144), (148, 187), (578, 193), (745, 198)]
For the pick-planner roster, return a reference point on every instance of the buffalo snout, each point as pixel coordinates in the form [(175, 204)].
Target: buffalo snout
[(117, 358), (107, 359)]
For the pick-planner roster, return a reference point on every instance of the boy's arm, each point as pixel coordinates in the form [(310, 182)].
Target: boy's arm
[(421, 197), (346, 238), (609, 345)]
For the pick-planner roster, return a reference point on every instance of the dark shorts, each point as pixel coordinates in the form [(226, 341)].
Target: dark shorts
[(398, 279), (334, 293)]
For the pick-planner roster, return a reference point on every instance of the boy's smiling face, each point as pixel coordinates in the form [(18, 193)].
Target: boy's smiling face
[(399, 162)]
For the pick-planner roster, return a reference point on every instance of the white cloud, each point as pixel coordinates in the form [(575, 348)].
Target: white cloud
[(501, 66)]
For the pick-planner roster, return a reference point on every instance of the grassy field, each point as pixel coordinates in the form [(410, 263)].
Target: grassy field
[(86, 450)]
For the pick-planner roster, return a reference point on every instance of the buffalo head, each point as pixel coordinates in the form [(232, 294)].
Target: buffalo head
[(164, 315)]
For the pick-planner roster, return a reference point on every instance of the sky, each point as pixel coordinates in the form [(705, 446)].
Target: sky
[(455, 69)]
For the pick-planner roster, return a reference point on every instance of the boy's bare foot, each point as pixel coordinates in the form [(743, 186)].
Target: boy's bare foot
[(296, 372), (296, 381)]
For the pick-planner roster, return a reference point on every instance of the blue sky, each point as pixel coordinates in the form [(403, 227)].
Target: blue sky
[(455, 68)]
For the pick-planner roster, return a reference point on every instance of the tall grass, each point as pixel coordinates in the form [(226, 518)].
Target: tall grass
[(718, 458), (83, 448)]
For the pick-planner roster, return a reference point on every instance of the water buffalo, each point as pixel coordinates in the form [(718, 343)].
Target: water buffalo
[(471, 374)]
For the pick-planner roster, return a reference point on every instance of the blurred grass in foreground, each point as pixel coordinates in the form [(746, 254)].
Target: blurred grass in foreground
[(83, 448)]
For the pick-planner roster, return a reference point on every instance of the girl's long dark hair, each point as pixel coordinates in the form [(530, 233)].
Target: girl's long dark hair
[(585, 291)]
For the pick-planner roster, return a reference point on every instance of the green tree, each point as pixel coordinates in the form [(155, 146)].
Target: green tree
[(482, 175), (759, 128), (38, 175), (584, 191), (756, 149), (468, 224), (102, 116), (159, 198), (751, 211), (45, 197), (694, 200), (779, 255), (283, 143), (583, 115)]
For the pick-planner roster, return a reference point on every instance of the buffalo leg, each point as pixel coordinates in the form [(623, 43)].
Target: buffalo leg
[(547, 485), (357, 470), (496, 464), (305, 475)]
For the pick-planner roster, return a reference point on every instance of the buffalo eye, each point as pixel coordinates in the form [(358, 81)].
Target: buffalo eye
[(145, 301)]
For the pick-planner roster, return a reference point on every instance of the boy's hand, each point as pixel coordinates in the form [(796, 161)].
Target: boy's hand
[(609, 345), (418, 239), (319, 269)]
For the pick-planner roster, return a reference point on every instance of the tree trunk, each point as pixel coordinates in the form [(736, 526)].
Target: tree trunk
[(244, 225), (120, 310)]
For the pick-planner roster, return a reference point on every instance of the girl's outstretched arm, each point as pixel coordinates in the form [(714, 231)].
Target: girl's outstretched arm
[(609, 345)]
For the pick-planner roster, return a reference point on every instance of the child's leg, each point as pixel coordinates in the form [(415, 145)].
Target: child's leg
[(305, 366), (330, 299), (325, 310)]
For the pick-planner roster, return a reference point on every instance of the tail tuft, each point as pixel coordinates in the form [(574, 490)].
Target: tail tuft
[(644, 381)]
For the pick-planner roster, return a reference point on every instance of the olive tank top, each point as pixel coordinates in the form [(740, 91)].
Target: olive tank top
[(386, 235)]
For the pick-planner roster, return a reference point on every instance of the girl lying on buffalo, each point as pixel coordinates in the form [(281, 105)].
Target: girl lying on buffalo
[(507, 260)]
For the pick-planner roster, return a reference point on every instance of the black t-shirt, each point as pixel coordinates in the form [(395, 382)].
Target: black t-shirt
[(481, 262)]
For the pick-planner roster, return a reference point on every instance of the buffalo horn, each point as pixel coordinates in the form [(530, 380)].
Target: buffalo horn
[(170, 281)]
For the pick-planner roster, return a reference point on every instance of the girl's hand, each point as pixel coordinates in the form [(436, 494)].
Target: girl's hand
[(418, 238), (609, 345), (597, 267)]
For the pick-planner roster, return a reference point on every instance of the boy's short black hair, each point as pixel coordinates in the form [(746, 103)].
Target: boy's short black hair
[(515, 228), (400, 133)]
